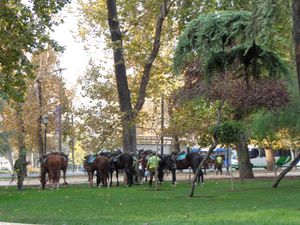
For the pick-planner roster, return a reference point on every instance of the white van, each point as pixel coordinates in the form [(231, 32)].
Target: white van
[(258, 158), (4, 164)]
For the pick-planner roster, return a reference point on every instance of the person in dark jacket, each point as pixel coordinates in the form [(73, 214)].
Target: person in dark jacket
[(20, 168)]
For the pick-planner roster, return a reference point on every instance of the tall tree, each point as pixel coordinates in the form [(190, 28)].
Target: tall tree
[(128, 113), (218, 47)]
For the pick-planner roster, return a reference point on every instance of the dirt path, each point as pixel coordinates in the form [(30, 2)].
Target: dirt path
[(81, 178)]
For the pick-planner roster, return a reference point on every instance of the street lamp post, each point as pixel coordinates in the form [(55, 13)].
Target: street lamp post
[(45, 120)]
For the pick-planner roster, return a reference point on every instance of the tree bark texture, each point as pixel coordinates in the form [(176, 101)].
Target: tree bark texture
[(245, 168), (296, 32), (176, 144), (212, 147), (270, 159), (165, 8), (128, 124), (39, 121), (21, 130)]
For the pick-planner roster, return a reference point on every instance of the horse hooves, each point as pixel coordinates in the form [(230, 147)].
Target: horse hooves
[(66, 183)]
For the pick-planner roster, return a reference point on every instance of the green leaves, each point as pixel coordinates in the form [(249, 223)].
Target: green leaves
[(230, 131), (210, 33), (24, 28)]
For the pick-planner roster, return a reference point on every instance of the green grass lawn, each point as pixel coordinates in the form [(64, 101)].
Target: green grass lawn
[(253, 202)]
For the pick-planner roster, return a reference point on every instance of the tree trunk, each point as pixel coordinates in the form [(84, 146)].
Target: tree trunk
[(39, 121), (296, 31), (212, 147), (21, 130), (270, 159), (245, 168), (128, 123), (176, 144)]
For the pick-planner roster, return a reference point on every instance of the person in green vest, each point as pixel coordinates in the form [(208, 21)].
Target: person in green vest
[(219, 164), (20, 168), (152, 165)]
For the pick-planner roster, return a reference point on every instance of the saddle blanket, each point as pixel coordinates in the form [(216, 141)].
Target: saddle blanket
[(91, 159), (181, 156)]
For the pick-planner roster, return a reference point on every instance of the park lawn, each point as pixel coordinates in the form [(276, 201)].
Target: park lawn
[(252, 202)]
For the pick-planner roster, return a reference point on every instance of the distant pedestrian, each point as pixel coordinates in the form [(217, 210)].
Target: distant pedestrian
[(20, 168), (219, 164)]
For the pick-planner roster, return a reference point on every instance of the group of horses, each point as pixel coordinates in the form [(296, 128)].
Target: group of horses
[(106, 163), (134, 166)]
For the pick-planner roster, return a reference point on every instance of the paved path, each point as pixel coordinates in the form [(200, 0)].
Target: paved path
[(81, 178)]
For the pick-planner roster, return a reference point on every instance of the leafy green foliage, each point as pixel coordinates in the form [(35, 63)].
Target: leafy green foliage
[(192, 121), (210, 33), (269, 124), (24, 28), (230, 131), (99, 127), (220, 43)]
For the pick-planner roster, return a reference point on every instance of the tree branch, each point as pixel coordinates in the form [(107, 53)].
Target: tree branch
[(164, 10), (212, 147), (286, 170)]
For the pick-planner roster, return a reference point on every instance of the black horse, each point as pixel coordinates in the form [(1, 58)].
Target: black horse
[(167, 162), (123, 162), (192, 160)]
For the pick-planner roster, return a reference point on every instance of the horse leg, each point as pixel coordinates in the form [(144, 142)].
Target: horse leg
[(64, 176), (43, 180), (104, 179), (151, 178), (99, 177), (51, 179), (111, 176), (117, 176), (57, 181), (129, 174), (91, 178), (173, 177)]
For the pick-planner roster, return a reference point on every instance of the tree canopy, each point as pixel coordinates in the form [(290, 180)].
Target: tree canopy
[(24, 28)]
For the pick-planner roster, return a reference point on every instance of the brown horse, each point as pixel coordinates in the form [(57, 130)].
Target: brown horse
[(101, 165), (53, 164)]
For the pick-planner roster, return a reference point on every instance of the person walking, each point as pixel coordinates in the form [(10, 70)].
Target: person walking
[(219, 164), (20, 168), (152, 166)]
